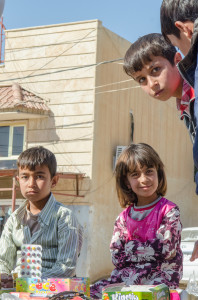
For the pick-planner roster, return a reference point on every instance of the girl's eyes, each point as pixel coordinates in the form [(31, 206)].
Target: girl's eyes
[(149, 171), (134, 175)]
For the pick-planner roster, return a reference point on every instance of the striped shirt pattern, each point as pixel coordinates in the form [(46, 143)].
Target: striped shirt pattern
[(60, 236)]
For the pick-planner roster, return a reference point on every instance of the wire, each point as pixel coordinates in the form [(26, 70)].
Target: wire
[(31, 74), (15, 64), (63, 52), (64, 70), (51, 45)]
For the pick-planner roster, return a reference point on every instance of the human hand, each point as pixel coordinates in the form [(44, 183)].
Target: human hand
[(195, 252)]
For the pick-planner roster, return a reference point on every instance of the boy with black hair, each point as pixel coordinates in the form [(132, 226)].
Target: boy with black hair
[(41, 219), (179, 25), (152, 62), (179, 22)]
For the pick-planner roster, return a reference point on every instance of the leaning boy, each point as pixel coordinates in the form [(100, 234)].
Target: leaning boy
[(179, 25), (152, 62), (41, 220)]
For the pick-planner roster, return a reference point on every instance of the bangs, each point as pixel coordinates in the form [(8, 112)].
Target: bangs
[(144, 56), (30, 165), (139, 60), (136, 162), (32, 160)]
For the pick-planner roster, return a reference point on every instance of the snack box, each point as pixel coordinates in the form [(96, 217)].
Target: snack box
[(136, 292), (34, 286), (29, 296), (53, 285), (76, 284)]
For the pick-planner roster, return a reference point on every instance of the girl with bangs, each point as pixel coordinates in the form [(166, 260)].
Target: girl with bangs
[(145, 245)]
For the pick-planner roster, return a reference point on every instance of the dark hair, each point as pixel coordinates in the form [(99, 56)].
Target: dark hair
[(176, 10), (35, 156), (134, 156), (141, 52)]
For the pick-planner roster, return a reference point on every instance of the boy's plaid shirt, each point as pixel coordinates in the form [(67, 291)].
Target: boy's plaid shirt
[(186, 106), (187, 95)]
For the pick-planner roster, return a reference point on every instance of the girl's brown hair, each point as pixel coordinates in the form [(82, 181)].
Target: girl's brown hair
[(134, 156)]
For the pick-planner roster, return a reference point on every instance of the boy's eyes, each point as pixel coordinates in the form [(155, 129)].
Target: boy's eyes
[(141, 80), (156, 69), (25, 177)]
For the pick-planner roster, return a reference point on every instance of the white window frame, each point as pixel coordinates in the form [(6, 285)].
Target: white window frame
[(12, 125)]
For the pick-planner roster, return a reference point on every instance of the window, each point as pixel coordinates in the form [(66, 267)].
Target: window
[(11, 145)]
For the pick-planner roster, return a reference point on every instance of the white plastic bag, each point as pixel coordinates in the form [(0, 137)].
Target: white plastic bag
[(192, 287)]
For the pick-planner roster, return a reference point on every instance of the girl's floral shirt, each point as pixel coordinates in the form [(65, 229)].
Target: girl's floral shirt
[(154, 262)]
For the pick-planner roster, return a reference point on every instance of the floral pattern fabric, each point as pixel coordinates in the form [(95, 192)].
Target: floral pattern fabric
[(154, 262)]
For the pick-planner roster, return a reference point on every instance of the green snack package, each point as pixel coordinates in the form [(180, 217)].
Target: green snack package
[(136, 292)]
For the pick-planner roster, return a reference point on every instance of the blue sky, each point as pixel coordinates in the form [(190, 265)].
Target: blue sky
[(128, 18)]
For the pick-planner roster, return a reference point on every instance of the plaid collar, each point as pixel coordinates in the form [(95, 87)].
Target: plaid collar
[(187, 95)]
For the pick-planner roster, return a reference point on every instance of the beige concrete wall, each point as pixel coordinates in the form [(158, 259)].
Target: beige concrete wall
[(49, 61)]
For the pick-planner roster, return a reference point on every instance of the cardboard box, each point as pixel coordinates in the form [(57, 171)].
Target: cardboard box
[(136, 292), (76, 284), (53, 285)]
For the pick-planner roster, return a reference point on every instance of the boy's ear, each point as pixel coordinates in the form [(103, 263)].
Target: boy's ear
[(54, 181), (185, 27), (177, 57)]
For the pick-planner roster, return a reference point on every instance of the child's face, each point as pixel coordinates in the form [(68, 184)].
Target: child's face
[(36, 185), (160, 79), (144, 183)]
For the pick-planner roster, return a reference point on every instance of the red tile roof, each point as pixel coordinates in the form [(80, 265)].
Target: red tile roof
[(15, 98)]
